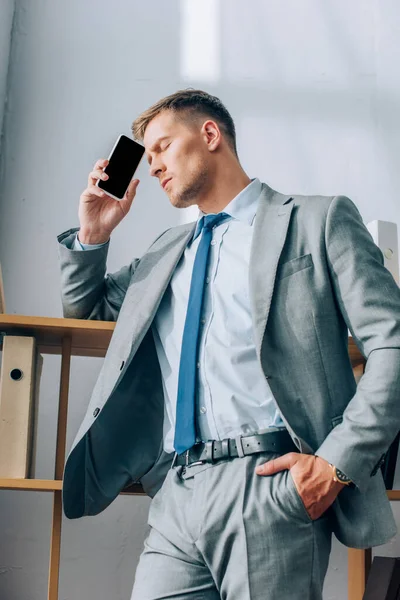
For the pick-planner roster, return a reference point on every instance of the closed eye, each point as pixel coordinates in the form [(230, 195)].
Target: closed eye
[(162, 150)]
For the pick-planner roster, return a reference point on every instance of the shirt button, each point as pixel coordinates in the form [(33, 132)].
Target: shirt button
[(203, 321), (213, 243), (208, 280), (203, 410), (198, 365)]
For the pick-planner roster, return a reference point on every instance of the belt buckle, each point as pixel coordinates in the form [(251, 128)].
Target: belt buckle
[(198, 462)]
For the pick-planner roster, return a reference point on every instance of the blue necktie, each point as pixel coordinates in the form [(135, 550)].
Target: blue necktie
[(185, 434)]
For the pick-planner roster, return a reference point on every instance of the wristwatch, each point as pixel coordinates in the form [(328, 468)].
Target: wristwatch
[(339, 476)]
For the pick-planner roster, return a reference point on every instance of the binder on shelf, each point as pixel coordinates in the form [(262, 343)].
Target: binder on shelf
[(384, 234), (19, 384)]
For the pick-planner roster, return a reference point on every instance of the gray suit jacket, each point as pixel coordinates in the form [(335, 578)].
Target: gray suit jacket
[(315, 272)]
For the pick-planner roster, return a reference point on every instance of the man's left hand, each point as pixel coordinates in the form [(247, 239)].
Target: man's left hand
[(312, 476)]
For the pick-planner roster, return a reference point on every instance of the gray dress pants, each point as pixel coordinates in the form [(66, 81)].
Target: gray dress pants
[(221, 532)]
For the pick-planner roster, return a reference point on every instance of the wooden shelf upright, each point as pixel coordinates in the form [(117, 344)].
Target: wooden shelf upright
[(68, 337), (76, 337)]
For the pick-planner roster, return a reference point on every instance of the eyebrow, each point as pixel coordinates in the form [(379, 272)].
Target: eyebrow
[(157, 143)]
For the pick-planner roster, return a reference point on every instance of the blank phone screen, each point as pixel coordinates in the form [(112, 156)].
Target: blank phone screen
[(121, 167)]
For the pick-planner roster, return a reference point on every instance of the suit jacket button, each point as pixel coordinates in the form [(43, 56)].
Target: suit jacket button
[(96, 412)]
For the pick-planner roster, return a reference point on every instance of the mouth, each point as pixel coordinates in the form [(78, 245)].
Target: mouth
[(164, 183)]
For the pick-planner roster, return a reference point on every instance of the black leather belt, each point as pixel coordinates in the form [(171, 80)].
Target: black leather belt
[(278, 442)]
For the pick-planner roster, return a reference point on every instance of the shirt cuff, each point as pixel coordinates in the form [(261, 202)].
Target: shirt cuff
[(79, 246)]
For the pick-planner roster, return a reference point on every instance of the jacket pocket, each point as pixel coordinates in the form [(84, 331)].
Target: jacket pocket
[(294, 265)]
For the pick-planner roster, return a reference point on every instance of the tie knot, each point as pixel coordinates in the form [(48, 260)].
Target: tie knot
[(210, 220)]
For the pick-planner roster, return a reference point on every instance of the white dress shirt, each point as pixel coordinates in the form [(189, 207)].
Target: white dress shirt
[(233, 396)]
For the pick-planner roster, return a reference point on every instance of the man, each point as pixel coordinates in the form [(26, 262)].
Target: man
[(227, 388)]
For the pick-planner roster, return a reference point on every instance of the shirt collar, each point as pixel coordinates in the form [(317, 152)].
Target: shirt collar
[(243, 207)]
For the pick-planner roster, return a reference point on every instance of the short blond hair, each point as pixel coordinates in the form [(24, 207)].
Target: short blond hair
[(186, 104)]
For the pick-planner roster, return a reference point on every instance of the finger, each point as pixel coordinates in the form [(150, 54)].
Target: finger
[(130, 194), (131, 191), (93, 190), (97, 170), (278, 464), (95, 175), (100, 164)]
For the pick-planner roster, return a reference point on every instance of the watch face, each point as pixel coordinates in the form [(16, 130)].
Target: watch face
[(342, 477)]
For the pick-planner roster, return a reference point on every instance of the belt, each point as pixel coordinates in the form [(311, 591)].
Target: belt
[(278, 442)]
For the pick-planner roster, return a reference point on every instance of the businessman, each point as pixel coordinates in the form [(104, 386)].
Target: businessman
[(227, 388)]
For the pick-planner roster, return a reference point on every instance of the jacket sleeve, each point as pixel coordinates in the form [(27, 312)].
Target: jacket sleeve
[(369, 300), (87, 292)]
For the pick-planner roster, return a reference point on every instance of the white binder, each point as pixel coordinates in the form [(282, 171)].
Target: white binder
[(19, 376), (384, 234)]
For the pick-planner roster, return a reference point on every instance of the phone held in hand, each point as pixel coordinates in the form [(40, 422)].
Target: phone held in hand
[(123, 160)]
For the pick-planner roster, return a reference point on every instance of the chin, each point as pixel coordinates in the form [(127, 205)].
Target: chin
[(174, 200), (180, 200)]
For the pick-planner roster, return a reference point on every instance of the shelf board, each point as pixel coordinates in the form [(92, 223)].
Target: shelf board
[(35, 485), (88, 338), (394, 495)]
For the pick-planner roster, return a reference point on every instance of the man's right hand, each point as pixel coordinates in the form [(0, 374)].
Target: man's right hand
[(99, 214)]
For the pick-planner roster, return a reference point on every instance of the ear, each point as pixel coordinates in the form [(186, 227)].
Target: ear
[(211, 134)]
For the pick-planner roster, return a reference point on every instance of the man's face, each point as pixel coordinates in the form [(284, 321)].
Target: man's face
[(179, 157)]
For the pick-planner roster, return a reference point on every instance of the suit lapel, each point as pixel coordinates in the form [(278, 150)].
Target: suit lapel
[(270, 230), (149, 283)]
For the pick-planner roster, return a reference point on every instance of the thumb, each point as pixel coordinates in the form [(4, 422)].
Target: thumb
[(278, 464), (130, 193)]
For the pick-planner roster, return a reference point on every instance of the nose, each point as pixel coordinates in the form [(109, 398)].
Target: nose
[(156, 168)]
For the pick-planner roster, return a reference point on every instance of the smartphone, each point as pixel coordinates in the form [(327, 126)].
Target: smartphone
[(123, 160)]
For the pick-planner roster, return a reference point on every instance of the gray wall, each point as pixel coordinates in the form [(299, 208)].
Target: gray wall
[(314, 90), (7, 8)]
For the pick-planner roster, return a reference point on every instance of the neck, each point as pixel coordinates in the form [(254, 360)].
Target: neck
[(225, 185)]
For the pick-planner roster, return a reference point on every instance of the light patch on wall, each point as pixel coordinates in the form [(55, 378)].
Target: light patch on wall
[(200, 40)]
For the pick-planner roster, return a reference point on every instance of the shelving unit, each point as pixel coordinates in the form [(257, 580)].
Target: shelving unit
[(76, 337)]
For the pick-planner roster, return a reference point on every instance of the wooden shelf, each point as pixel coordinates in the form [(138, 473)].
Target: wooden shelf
[(394, 495), (35, 485), (88, 338)]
